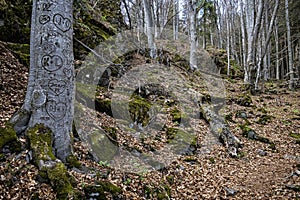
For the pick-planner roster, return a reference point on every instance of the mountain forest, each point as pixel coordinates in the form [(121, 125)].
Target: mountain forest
[(149, 99)]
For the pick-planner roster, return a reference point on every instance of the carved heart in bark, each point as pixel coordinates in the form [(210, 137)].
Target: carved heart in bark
[(63, 24), (68, 72), (57, 86), (56, 111), (52, 63), (44, 19)]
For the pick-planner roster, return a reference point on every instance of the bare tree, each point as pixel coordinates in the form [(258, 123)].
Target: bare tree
[(149, 27), (289, 43)]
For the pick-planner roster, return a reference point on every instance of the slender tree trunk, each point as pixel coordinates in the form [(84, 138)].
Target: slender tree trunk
[(289, 43), (193, 36), (277, 49), (228, 42), (252, 30), (267, 41), (175, 19), (244, 44), (128, 14), (149, 28), (50, 91)]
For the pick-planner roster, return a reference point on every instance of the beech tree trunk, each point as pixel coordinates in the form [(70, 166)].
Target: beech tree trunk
[(289, 43), (149, 28), (193, 34), (50, 90)]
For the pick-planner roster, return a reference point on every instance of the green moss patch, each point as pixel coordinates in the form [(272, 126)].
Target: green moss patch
[(98, 191), (181, 142), (60, 180), (244, 100), (138, 109), (9, 137), (295, 135), (40, 138), (178, 116)]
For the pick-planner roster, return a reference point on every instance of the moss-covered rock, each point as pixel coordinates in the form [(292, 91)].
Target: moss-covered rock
[(244, 100), (60, 181), (9, 137), (178, 116), (103, 148), (181, 142), (98, 190), (139, 109), (219, 57)]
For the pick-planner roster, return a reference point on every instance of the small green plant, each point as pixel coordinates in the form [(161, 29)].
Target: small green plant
[(104, 163), (127, 181), (296, 111), (241, 155), (212, 160)]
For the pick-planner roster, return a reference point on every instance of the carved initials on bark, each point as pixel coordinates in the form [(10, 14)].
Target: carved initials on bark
[(57, 86), (52, 63), (64, 24), (56, 111)]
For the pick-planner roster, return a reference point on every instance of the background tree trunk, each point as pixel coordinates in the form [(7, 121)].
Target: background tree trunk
[(289, 43), (149, 27)]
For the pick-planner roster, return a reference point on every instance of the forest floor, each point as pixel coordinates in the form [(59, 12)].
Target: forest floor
[(261, 170)]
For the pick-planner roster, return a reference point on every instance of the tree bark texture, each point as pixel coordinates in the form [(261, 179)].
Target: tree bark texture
[(50, 91), (289, 43)]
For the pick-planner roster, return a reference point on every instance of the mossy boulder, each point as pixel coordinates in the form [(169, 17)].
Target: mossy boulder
[(102, 146), (95, 23), (99, 190), (178, 116), (139, 109), (9, 137), (181, 142), (219, 57), (244, 100)]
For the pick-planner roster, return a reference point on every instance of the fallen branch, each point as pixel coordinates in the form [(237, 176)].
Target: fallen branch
[(221, 129)]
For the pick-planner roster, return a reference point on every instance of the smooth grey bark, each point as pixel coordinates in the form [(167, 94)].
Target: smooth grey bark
[(228, 39), (289, 43), (244, 44), (149, 28), (50, 91), (252, 32), (175, 19), (267, 41), (277, 49), (193, 34)]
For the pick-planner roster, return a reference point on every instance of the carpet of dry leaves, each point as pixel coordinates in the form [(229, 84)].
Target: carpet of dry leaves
[(209, 174)]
